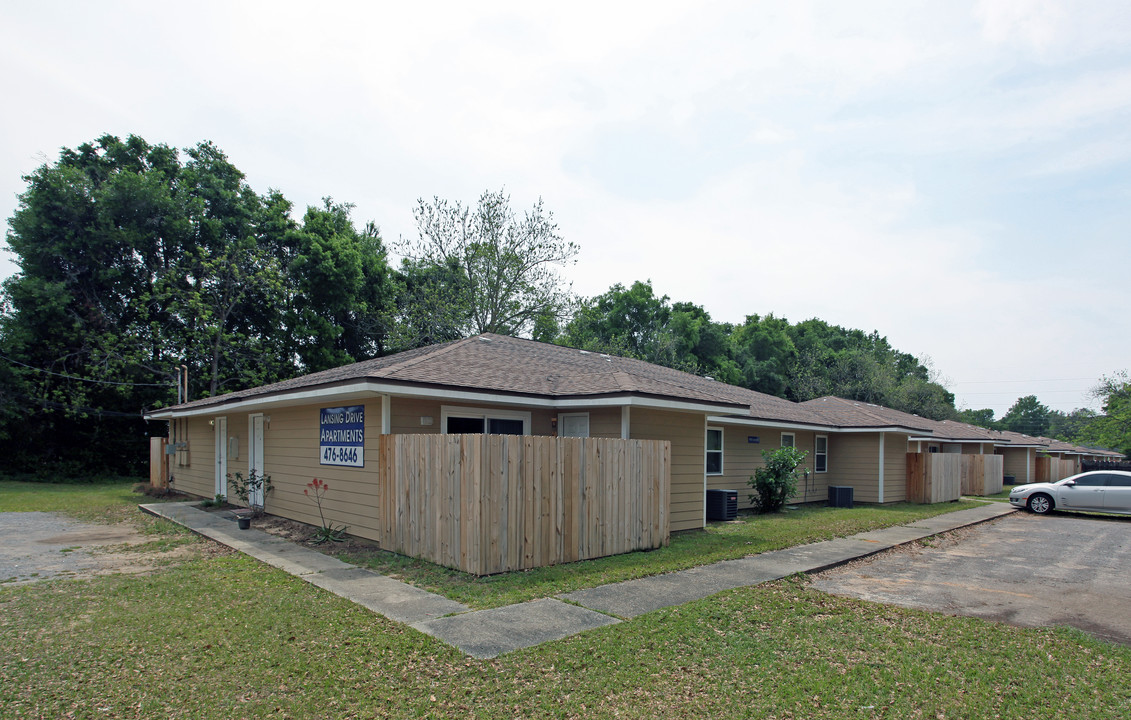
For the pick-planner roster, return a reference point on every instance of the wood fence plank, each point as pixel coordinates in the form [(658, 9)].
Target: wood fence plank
[(490, 503)]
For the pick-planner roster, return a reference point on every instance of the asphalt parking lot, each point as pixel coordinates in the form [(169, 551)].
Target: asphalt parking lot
[(1028, 570)]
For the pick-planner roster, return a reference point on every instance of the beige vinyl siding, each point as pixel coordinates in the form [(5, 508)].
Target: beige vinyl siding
[(604, 422), (895, 467), (1014, 463), (741, 457), (540, 423), (687, 433), (291, 454), (199, 476), (854, 460), (406, 413)]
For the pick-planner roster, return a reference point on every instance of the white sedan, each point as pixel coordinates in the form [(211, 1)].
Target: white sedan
[(1107, 491)]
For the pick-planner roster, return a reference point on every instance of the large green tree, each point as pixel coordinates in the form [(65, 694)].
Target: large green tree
[(84, 330), (1113, 428), (1028, 415), (133, 260), (343, 302), (983, 417), (765, 353), (508, 263)]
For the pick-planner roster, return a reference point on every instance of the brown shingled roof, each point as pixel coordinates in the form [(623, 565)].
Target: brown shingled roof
[(858, 414), (1017, 439), (496, 363), (513, 367)]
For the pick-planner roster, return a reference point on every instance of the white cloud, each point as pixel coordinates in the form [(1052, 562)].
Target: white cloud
[(867, 163)]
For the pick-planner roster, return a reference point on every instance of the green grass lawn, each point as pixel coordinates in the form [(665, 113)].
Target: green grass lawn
[(227, 637), (719, 541)]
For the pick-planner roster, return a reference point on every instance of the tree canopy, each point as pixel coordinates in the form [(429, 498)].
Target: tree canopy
[(1112, 429), (507, 264), (765, 353), (135, 259)]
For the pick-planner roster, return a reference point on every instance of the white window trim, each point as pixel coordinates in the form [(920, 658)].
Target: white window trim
[(447, 411), (816, 454), (791, 436), (721, 451), (563, 416)]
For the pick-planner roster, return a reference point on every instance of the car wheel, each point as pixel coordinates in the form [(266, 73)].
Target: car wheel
[(1040, 504)]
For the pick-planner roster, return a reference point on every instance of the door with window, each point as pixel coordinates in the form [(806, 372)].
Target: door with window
[(221, 430), (255, 457), (1117, 494), (1086, 492)]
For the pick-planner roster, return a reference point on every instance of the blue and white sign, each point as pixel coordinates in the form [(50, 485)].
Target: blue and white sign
[(342, 437)]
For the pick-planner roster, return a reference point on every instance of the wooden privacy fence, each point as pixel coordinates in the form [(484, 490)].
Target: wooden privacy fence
[(491, 503), (941, 477), (1050, 469), (158, 462), (982, 474), (934, 477)]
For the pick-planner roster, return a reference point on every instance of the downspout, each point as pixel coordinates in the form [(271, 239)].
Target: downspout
[(881, 488), (625, 425), (386, 415)]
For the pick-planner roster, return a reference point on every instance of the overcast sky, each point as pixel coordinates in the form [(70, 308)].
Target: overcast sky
[(952, 174)]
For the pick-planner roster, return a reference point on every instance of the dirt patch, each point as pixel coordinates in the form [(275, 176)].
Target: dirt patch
[(303, 534), (294, 531), (41, 546)]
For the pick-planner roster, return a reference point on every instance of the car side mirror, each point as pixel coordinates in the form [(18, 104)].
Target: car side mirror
[(1071, 483)]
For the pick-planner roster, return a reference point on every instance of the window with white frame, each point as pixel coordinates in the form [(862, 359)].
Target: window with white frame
[(788, 440), (821, 454), (714, 451), (574, 424), (461, 420)]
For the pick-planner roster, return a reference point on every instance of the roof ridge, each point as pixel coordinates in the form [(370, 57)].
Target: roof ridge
[(444, 349)]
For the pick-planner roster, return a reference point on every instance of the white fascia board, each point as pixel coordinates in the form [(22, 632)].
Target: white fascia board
[(367, 388), (887, 428), (943, 438), (353, 391), (751, 422), (640, 402), (727, 420)]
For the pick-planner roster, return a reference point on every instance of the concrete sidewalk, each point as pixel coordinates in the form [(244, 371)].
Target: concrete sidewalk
[(395, 600), (489, 633)]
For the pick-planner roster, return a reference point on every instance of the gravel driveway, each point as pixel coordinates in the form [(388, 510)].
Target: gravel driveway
[(43, 545), (1060, 569)]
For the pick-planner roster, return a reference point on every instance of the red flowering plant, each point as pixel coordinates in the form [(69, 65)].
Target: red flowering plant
[(316, 490)]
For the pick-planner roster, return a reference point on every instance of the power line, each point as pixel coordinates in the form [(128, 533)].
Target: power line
[(80, 408), (75, 377), (984, 382), (1010, 392)]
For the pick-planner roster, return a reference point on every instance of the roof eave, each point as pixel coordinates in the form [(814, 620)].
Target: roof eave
[(371, 388)]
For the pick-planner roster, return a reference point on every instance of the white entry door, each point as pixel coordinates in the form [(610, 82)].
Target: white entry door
[(255, 457), (222, 456)]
